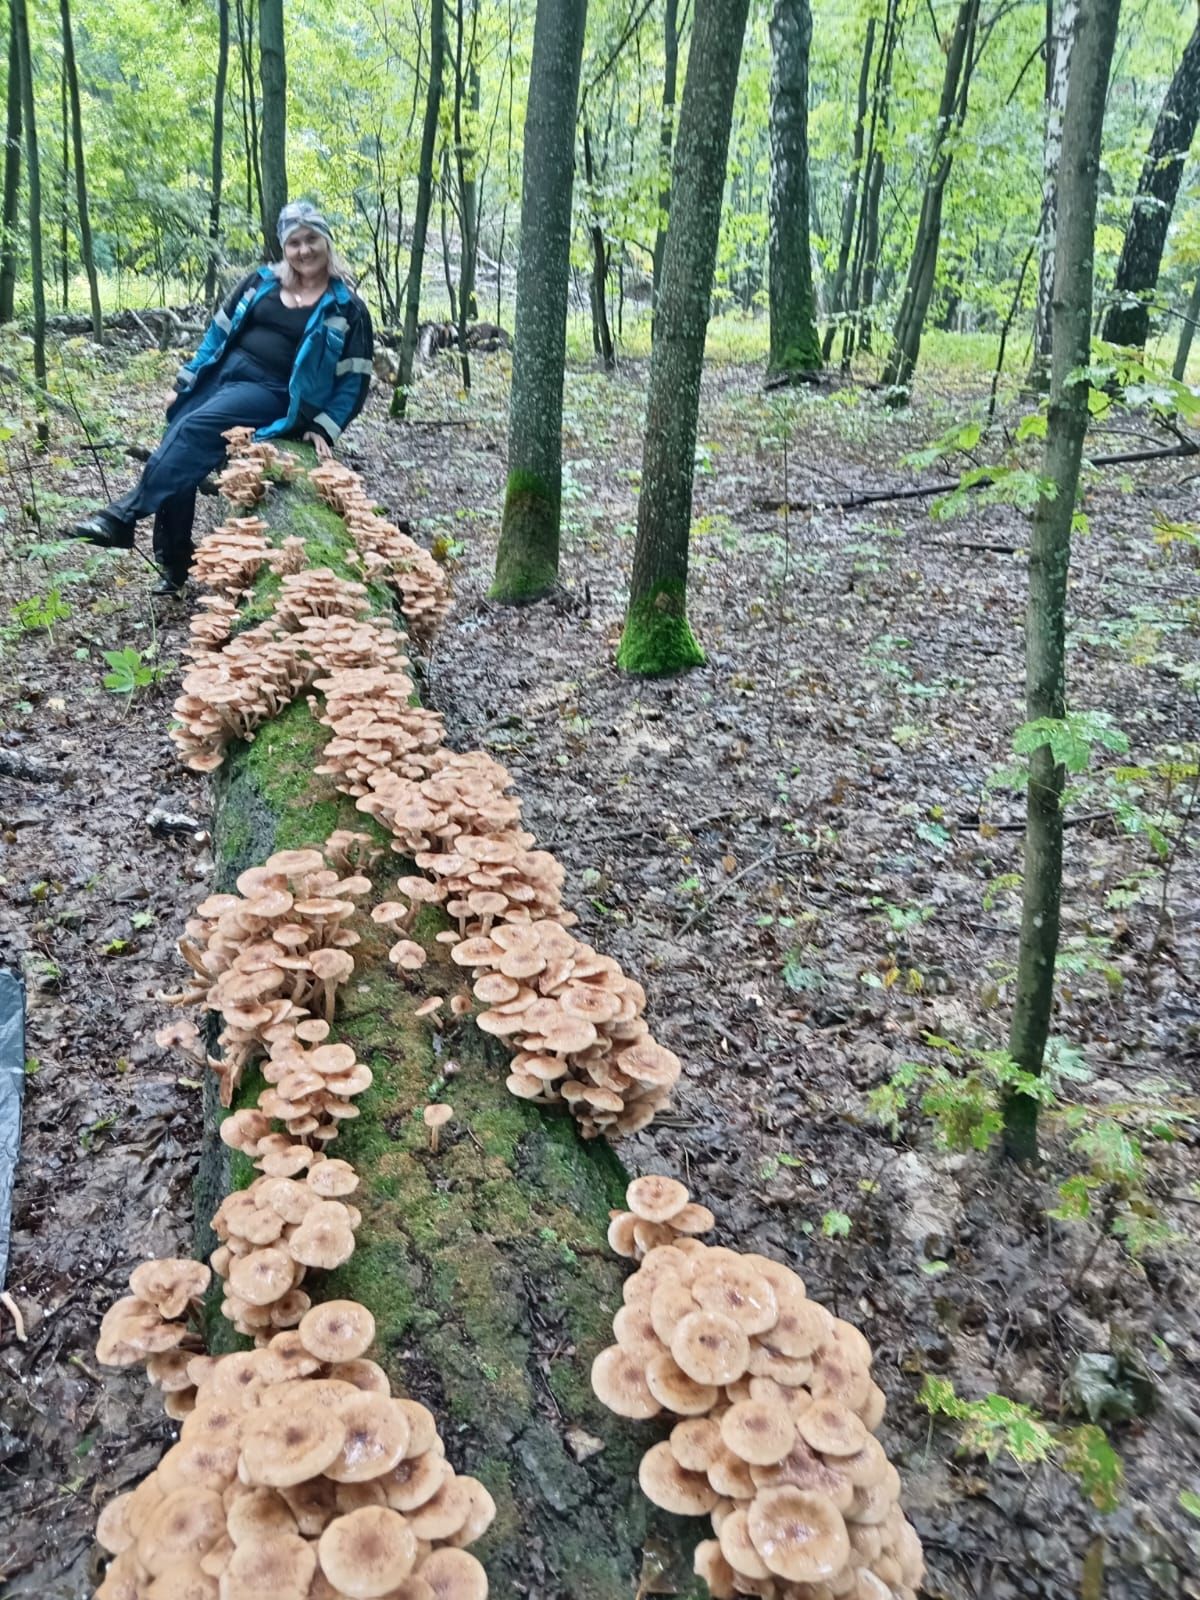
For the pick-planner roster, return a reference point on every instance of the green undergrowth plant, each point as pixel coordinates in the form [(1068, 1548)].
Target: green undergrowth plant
[(959, 1097), (994, 1426)]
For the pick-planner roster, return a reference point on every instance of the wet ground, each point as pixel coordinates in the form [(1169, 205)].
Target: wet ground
[(794, 848)]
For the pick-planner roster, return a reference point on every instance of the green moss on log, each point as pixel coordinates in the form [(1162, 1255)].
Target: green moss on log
[(486, 1265)]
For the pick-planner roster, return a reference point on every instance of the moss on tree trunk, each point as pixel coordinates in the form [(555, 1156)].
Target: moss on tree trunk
[(486, 1266)]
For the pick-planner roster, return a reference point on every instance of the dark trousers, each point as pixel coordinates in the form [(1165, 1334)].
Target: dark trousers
[(240, 394)]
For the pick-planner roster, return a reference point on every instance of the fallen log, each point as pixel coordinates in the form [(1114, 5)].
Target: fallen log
[(485, 1265)]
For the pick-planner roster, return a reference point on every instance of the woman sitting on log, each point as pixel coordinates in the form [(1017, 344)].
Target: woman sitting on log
[(289, 354)]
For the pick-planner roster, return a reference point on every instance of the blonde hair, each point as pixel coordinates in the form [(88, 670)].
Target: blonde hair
[(334, 265)]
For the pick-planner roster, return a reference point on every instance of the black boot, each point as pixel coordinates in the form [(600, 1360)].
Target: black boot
[(170, 583), (102, 529)]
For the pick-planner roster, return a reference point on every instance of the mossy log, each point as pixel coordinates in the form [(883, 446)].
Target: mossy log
[(486, 1265)]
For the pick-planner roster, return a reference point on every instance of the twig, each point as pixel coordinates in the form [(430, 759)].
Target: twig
[(723, 891), (1186, 447)]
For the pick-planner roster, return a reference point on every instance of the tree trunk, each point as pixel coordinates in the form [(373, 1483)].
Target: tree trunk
[(850, 203), (1186, 334), (33, 167), (218, 154), (527, 559), (81, 194), (1127, 321), (860, 293), (1058, 68), (272, 67), (64, 253), (656, 637), (466, 93), (416, 254), (666, 135), (922, 271), (794, 346), (601, 333), (254, 181), (1050, 551), (12, 174), (486, 1267)]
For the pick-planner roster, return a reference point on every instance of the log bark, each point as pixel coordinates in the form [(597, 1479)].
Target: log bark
[(1050, 555), (486, 1268)]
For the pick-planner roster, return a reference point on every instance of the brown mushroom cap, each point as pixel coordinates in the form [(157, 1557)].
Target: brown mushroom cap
[(415, 1480), (674, 1488), (445, 1512), (286, 1444), (422, 1428), (656, 1198), (709, 1564), (693, 1219), (736, 1291), (695, 1442), (453, 1575), (710, 1347), (257, 1515), (183, 1580), (738, 1548), (676, 1391), (634, 1332), (619, 1382), (367, 1552), (337, 1330), (376, 1439), (281, 1566), (113, 1532), (437, 1116), (831, 1428), (758, 1433), (261, 1277), (801, 1536), (181, 1527), (169, 1284)]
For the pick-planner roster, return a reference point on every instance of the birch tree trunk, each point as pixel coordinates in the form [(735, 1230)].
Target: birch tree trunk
[(218, 153), (527, 558), (1050, 551), (794, 346), (416, 254), (657, 638), (33, 167), (1058, 42), (1127, 321), (81, 194), (922, 270), (272, 67)]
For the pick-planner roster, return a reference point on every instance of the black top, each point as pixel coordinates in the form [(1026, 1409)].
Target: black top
[(272, 332)]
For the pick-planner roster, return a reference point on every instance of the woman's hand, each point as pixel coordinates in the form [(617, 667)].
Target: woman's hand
[(320, 444), (170, 398)]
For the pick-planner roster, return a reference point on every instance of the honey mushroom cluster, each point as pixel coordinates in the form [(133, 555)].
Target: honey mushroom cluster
[(232, 555), (274, 1231), (573, 1020), (374, 729), (270, 958), (150, 1325), (318, 624), (299, 1476), (422, 585), (243, 482), (655, 1217), (777, 1408)]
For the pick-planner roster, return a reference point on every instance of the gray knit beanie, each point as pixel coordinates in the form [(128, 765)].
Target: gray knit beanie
[(301, 214)]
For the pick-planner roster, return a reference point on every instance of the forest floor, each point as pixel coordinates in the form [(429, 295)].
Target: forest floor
[(794, 848)]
